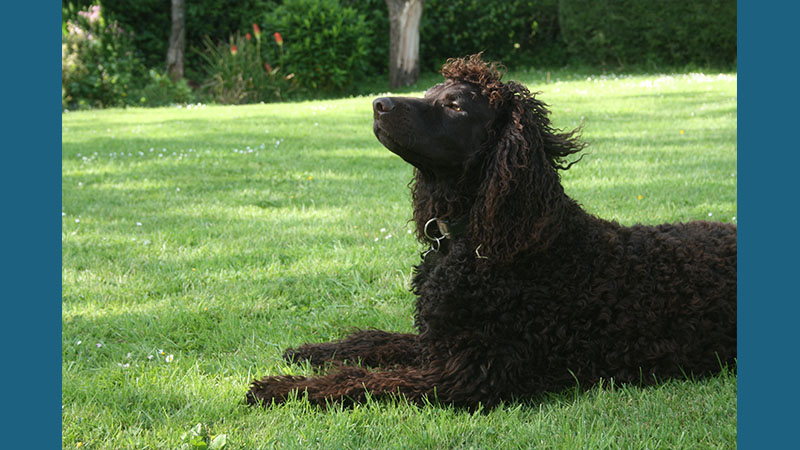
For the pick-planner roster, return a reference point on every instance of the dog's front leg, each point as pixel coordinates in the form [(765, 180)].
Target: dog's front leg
[(347, 385), (371, 348)]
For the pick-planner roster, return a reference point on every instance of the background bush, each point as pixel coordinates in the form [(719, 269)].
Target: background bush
[(160, 90), (99, 67), (657, 33), (325, 43), (376, 14), (238, 72)]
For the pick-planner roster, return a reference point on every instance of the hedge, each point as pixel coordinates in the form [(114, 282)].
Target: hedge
[(517, 32), (656, 33)]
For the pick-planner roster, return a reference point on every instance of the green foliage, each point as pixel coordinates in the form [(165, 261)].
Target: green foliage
[(376, 13), (151, 20), (98, 64), (198, 438), (516, 32), (519, 32), (659, 33), (325, 43), (161, 90), (237, 72)]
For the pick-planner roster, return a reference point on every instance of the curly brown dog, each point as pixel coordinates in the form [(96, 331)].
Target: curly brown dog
[(523, 291)]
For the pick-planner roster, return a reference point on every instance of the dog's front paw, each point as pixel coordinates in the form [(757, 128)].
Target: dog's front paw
[(272, 390), (295, 355)]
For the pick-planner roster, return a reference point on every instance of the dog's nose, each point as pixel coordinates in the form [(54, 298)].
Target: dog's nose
[(383, 105)]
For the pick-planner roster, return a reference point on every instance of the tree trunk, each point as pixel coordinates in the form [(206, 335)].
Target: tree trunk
[(404, 19), (177, 41)]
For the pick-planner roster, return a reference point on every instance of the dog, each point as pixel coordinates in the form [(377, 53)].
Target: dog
[(522, 291)]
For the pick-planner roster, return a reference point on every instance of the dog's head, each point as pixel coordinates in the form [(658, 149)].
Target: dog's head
[(492, 143), (439, 132)]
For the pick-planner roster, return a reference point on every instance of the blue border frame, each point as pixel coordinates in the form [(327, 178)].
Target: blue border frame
[(767, 157), (768, 246), (32, 197)]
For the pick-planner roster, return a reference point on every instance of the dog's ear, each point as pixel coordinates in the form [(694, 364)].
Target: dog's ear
[(521, 203)]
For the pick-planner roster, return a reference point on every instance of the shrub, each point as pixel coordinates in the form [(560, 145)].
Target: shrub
[(376, 14), (98, 65), (238, 72), (659, 33), (161, 90), (326, 44)]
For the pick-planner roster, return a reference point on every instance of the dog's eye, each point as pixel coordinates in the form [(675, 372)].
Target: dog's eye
[(454, 107)]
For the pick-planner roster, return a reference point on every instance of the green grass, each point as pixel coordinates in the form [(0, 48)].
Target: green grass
[(221, 247)]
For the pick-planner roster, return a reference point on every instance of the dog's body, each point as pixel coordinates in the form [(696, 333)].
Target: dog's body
[(524, 292)]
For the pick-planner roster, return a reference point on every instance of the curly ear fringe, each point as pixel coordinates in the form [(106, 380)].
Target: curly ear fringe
[(487, 76), (520, 204)]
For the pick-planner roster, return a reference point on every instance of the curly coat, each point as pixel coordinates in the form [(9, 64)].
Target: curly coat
[(532, 294)]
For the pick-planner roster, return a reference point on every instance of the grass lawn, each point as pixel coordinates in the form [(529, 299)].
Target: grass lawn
[(199, 242)]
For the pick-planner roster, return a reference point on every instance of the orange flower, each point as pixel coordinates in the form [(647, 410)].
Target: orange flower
[(248, 36), (256, 30), (234, 50), (278, 38)]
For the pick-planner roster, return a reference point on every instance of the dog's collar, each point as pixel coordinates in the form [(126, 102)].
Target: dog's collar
[(448, 228)]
